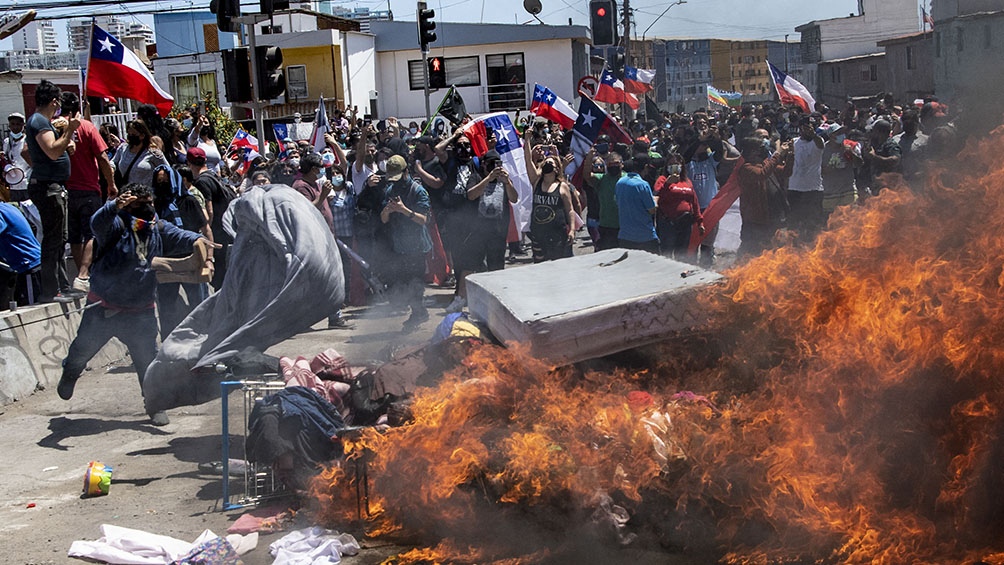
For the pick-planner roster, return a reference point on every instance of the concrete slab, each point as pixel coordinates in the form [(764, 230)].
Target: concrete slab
[(591, 305), (33, 343)]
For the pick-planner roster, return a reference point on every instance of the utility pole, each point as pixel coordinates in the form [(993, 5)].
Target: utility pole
[(627, 51)]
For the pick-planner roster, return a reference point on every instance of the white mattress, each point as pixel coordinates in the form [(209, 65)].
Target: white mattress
[(591, 305)]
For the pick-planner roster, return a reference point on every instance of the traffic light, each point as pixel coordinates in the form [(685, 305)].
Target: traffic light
[(426, 26), (237, 74), (225, 10), (617, 64), (437, 72), (271, 80), (603, 22)]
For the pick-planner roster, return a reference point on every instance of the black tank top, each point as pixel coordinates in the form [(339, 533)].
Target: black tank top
[(548, 218)]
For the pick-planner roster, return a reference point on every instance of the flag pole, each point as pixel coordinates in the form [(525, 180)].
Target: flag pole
[(428, 121)]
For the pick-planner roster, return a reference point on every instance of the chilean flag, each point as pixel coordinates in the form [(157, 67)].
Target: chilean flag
[(114, 71), (510, 149), (612, 91), (244, 139), (790, 91), (547, 104), (592, 123), (638, 81)]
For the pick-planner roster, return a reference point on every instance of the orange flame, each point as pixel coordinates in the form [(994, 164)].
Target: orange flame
[(851, 414)]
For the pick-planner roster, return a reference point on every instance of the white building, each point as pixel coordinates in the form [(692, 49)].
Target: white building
[(494, 66), (36, 37), (857, 34), (140, 29), (79, 31)]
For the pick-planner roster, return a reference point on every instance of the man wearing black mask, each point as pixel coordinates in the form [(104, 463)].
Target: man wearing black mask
[(462, 174), (127, 237)]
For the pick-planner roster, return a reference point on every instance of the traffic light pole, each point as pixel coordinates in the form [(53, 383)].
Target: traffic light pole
[(256, 106), (425, 81)]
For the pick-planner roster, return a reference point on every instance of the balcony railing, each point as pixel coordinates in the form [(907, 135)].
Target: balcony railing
[(505, 97)]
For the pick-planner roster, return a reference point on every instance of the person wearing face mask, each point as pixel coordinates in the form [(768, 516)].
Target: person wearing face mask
[(313, 184), (606, 186), (136, 160), (759, 221), (90, 165), (174, 204), (203, 136), (702, 160), (13, 145), (342, 202), (405, 213), (456, 213), (365, 163), (552, 220), (48, 154), (127, 237), (678, 210)]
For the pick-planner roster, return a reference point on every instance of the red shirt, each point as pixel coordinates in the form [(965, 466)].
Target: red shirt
[(84, 172), (677, 199)]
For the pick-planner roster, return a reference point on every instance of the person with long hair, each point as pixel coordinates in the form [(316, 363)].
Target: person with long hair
[(136, 160), (203, 136), (678, 209), (552, 222)]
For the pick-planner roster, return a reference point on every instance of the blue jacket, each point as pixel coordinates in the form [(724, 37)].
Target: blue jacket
[(119, 278), (19, 249)]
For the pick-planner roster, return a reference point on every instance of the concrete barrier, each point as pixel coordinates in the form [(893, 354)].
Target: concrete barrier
[(33, 343)]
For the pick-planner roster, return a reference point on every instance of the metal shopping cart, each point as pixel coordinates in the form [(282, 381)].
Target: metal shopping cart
[(259, 482)]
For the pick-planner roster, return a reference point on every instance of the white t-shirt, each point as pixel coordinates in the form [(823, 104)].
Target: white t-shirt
[(13, 151), (807, 174)]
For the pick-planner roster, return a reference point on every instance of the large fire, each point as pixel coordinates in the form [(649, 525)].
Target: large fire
[(842, 408)]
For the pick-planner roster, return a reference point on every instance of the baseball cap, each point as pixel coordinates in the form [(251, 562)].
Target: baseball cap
[(196, 156), (396, 166), (16, 115)]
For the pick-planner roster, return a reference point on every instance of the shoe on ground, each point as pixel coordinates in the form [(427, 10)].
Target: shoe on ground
[(65, 387), (339, 323), (83, 285), (457, 305), (159, 418)]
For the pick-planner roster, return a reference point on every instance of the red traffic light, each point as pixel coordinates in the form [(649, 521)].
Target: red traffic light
[(601, 11)]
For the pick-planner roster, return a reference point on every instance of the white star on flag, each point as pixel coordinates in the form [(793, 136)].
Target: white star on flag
[(588, 118), (106, 45), (504, 132)]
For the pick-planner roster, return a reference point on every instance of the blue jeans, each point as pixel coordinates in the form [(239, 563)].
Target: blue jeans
[(137, 330)]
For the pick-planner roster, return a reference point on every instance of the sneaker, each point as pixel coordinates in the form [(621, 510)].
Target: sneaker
[(65, 387), (339, 323), (159, 418), (83, 285), (457, 305)]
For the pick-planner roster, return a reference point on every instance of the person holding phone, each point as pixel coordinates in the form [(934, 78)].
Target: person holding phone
[(203, 136)]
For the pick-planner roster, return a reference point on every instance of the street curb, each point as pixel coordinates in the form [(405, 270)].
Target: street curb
[(33, 342)]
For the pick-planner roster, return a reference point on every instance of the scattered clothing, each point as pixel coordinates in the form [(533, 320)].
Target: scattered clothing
[(313, 546), (126, 546)]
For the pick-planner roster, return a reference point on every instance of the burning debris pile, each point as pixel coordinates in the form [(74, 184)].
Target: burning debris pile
[(850, 413)]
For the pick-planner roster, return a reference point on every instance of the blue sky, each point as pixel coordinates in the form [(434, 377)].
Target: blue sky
[(727, 19)]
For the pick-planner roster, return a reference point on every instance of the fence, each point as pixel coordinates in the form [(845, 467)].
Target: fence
[(505, 97)]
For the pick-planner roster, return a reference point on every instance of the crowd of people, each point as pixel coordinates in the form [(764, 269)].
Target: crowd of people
[(410, 209)]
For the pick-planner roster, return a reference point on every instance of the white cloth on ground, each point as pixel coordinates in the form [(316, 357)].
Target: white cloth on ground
[(126, 546), (313, 546)]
